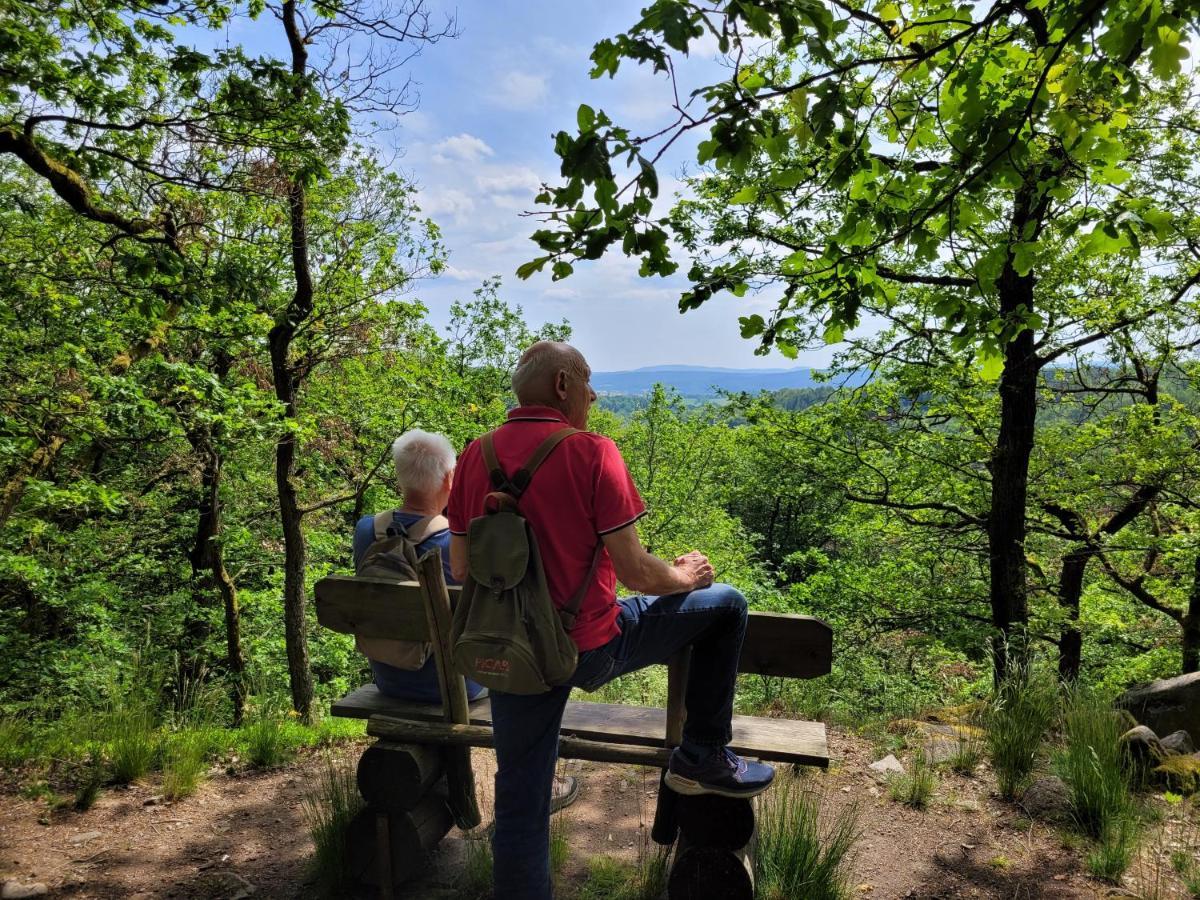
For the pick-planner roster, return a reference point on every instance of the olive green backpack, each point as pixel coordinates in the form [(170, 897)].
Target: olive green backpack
[(507, 633)]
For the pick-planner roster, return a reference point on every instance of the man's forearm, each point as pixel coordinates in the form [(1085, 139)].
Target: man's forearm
[(656, 577)]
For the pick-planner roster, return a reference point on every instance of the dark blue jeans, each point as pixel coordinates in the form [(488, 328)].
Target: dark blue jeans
[(712, 620)]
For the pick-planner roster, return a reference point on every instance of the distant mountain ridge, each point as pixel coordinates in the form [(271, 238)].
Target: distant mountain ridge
[(704, 381)]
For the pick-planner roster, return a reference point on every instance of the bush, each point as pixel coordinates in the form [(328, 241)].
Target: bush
[(1020, 712), (328, 812), (1093, 763), (797, 855), (917, 786)]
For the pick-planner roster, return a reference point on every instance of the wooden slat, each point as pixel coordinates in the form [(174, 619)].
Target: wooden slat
[(786, 645), (780, 644), (779, 740), (372, 607), (449, 734)]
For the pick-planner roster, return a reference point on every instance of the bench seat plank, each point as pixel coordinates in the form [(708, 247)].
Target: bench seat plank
[(777, 740)]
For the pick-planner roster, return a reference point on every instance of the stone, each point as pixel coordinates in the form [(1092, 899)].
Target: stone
[(1180, 774), (1048, 799), (938, 752), (1143, 746), (13, 890), (887, 765), (1178, 743), (1167, 705), (83, 837)]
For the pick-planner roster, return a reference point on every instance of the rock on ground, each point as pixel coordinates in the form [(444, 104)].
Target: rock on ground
[(1178, 743), (886, 765), (12, 890), (1143, 745), (1047, 798), (1167, 705)]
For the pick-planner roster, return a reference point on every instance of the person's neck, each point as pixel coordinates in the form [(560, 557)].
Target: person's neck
[(423, 505)]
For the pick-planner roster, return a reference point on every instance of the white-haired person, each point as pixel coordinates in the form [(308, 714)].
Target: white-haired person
[(424, 474)]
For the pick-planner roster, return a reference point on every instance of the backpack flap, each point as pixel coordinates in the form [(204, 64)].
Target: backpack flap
[(498, 550)]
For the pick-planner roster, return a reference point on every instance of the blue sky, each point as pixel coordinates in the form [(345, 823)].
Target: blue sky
[(480, 143)]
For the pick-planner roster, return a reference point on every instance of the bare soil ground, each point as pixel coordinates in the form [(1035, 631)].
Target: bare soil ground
[(244, 835)]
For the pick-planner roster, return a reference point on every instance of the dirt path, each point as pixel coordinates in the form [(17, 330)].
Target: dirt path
[(244, 835)]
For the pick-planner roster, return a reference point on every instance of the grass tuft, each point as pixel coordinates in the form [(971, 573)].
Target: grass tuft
[(1093, 763), (268, 744), (475, 883), (1113, 853), (132, 738), (967, 755), (797, 854), (1021, 710), (914, 788), (328, 812), (88, 790), (185, 760)]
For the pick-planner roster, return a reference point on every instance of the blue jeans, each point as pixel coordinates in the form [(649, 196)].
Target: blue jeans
[(525, 727), (421, 686)]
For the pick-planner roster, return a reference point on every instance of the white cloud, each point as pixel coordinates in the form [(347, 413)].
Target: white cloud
[(456, 274), (447, 202), (461, 148), (519, 90), (507, 180)]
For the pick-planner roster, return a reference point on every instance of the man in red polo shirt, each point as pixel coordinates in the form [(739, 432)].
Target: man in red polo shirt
[(583, 496)]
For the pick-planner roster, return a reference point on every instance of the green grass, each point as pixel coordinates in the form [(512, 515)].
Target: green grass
[(1114, 851), (560, 846), (967, 755), (132, 738), (475, 883), (612, 879), (798, 854), (328, 812), (1021, 710), (914, 788), (1093, 763), (270, 738), (87, 792), (185, 761)]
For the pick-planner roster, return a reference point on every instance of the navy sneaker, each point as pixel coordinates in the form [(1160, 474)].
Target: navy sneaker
[(723, 773)]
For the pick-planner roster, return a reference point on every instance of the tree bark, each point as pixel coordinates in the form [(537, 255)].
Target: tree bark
[(286, 381), (1191, 624), (1070, 590)]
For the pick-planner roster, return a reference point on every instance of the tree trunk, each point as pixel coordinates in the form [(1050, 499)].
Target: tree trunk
[(1070, 589), (37, 464), (1010, 482), (1191, 624), (208, 566), (286, 384)]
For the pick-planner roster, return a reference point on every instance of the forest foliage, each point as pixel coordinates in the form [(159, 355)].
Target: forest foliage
[(211, 331)]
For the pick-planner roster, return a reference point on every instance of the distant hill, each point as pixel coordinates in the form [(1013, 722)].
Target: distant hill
[(704, 381)]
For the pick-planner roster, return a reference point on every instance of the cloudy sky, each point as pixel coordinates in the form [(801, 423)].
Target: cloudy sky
[(480, 144)]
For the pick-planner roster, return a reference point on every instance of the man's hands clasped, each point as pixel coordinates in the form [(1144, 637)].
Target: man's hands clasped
[(696, 568)]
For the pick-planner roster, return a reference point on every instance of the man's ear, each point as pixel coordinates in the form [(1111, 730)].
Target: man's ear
[(560, 384), (448, 481)]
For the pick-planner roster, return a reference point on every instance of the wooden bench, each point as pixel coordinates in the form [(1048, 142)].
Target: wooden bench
[(410, 807)]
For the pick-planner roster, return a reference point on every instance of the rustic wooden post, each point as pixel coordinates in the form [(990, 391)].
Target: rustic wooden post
[(665, 826), (459, 777), (385, 848), (396, 776)]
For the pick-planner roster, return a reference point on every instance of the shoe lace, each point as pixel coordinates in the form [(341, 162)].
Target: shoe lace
[(732, 760)]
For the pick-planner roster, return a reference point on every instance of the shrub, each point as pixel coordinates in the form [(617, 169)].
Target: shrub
[(1020, 712), (1093, 763), (1112, 855), (328, 812), (797, 854), (16, 742), (917, 786)]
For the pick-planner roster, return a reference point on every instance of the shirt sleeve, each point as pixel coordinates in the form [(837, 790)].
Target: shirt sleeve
[(364, 537), (616, 501), (456, 507)]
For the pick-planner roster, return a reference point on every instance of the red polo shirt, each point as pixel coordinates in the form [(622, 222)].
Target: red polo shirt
[(582, 491)]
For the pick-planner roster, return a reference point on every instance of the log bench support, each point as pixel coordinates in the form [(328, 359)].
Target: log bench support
[(417, 778)]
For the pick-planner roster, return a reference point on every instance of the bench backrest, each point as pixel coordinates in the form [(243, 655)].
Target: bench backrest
[(777, 644)]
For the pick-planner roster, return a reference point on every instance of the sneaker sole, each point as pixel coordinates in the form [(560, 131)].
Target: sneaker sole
[(692, 788)]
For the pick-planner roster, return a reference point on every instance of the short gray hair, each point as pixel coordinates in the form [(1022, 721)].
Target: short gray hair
[(541, 361), (422, 460)]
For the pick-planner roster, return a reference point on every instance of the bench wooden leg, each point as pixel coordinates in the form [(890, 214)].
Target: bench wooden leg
[(383, 856), (666, 823)]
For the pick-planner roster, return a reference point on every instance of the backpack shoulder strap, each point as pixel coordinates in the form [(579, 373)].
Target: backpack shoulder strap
[(571, 610), (525, 474), (422, 529), (383, 521)]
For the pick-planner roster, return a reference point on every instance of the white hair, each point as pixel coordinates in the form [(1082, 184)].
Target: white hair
[(422, 460), (539, 363)]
